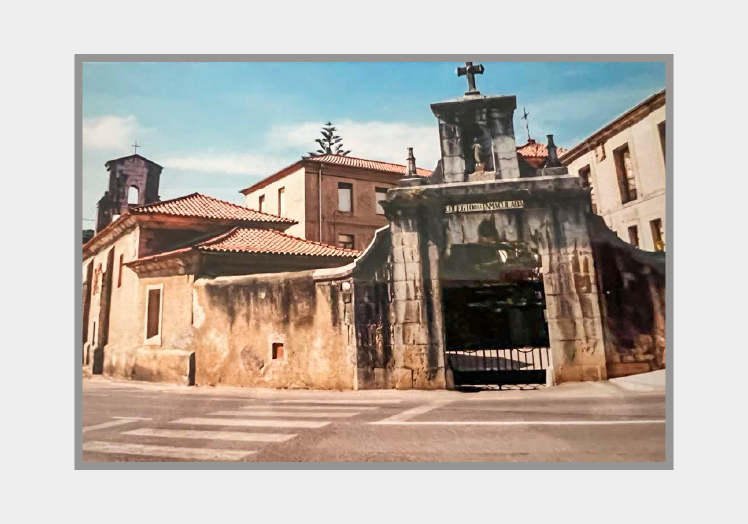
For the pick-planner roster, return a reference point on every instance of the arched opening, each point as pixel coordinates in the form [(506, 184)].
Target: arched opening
[(133, 195)]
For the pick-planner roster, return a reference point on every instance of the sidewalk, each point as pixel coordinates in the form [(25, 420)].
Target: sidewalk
[(620, 387)]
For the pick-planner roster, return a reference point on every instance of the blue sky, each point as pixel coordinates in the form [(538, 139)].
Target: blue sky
[(219, 127)]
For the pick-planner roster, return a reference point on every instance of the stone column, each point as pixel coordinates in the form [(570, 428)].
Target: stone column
[(572, 306), (415, 312)]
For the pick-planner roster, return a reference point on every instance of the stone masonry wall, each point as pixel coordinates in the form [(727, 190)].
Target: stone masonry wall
[(238, 320)]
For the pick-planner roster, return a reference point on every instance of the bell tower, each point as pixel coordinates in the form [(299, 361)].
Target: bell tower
[(133, 181)]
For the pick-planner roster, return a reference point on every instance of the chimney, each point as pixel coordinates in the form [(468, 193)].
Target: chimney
[(552, 159)]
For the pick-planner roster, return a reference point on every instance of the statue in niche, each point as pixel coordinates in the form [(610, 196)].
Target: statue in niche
[(478, 154)]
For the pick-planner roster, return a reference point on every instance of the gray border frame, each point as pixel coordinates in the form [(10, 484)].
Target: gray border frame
[(78, 184)]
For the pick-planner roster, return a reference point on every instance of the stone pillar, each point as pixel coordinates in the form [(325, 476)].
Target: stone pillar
[(415, 310), (572, 306)]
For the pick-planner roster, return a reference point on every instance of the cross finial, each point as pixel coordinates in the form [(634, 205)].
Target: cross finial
[(470, 71), (527, 122), (136, 146)]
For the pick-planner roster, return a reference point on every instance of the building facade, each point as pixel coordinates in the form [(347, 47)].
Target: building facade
[(623, 165), (139, 272), (334, 199)]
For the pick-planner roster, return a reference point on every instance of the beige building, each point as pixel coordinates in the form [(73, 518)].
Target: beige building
[(623, 164), (334, 199), (140, 269)]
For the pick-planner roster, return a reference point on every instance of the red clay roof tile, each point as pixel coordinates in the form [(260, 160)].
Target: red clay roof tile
[(255, 240), (201, 206), (374, 165), (533, 149)]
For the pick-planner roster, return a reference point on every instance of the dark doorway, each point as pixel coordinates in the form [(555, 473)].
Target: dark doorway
[(496, 332)]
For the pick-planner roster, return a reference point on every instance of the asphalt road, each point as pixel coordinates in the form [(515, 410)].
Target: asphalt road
[(126, 421)]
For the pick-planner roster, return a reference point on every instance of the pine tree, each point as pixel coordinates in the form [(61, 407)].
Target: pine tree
[(330, 143)]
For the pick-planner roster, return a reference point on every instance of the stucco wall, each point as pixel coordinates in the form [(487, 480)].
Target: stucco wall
[(121, 340), (294, 185), (643, 139), (236, 320)]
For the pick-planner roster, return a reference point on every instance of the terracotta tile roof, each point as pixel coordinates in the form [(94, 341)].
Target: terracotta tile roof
[(374, 165), (255, 240), (533, 149), (201, 206)]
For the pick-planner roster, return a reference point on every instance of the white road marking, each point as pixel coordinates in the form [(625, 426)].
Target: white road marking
[(414, 412), (307, 408), (284, 414), (252, 422), (213, 455), (104, 425), (238, 436), (356, 401), (521, 423)]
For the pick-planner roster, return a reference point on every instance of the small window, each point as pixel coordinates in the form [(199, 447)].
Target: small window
[(346, 241), (585, 176), (153, 308), (345, 197), (625, 171), (261, 203), (634, 236), (381, 194), (121, 265), (277, 350), (661, 129), (281, 201), (133, 195), (658, 237)]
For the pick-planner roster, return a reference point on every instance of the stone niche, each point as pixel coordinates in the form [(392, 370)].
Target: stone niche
[(477, 138), (431, 225)]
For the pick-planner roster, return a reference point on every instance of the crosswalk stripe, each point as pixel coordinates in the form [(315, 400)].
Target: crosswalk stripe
[(337, 401), (112, 423), (307, 408), (239, 436), (284, 414), (251, 422), (213, 455)]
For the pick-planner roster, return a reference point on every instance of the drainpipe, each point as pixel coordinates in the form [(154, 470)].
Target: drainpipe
[(319, 200)]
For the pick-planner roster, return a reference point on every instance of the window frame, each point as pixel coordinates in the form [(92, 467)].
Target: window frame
[(120, 266), (655, 225), (624, 186), (634, 228), (349, 187), (260, 203), (352, 243), (281, 200), (377, 205), (155, 340)]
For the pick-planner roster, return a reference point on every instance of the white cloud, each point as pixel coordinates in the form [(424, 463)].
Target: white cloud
[(386, 141), (228, 163), (110, 132)]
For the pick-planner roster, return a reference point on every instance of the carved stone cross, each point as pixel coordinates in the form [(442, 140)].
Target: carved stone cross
[(470, 71)]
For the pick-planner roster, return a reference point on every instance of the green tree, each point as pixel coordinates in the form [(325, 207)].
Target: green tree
[(330, 143)]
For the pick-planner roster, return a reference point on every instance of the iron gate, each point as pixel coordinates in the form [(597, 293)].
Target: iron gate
[(479, 367)]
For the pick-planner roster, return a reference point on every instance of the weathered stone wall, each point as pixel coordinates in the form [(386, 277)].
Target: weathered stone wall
[(236, 321), (633, 290)]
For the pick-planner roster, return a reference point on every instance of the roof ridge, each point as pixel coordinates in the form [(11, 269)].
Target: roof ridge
[(312, 241), (364, 159), (220, 237), (159, 202), (241, 206)]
